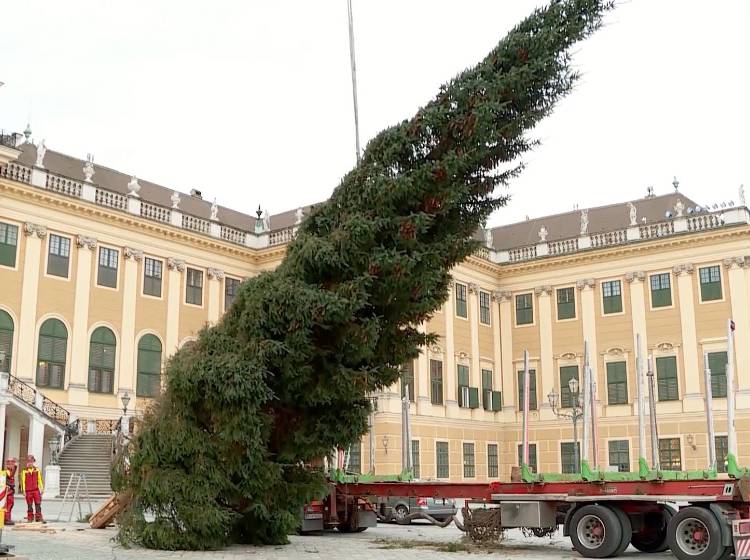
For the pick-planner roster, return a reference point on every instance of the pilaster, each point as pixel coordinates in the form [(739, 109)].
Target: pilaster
[(126, 373), (506, 344), (638, 311), (739, 301), (175, 269), (449, 371), (29, 293), (692, 398), (588, 320), (498, 371), (547, 374), (214, 294), (422, 374), (475, 375), (78, 379)]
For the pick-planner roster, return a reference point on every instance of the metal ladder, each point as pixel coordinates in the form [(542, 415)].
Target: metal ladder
[(80, 492)]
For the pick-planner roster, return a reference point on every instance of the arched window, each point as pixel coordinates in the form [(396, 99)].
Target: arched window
[(6, 340), (102, 360), (149, 366), (53, 345)]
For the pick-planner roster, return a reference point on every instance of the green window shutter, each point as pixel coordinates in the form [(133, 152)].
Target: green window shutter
[(497, 401), (532, 390), (149, 366), (473, 397), (524, 309), (566, 303), (102, 351), (666, 378), (486, 379), (6, 340), (461, 309), (717, 361), (484, 308), (612, 296), (436, 382), (710, 281), (463, 375), (487, 389), (617, 383), (661, 290), (566, 374), (8, 244)]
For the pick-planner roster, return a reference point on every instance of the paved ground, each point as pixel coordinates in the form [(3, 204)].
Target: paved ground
[(75, 541)]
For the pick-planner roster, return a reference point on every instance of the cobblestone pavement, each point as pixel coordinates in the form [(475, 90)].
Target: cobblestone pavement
[(72, 541)]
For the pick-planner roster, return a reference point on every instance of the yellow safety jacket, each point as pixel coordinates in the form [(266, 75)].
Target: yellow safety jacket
[(31, 479)]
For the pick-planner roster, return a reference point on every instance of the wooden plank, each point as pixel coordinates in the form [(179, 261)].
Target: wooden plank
[(106, 514)]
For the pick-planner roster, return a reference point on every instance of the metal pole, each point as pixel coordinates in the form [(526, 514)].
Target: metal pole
[(585, 386), (709, 412), (641, 411), (652, 416), (731, 429), (526, 407), (371, 433), (408, 428), (576, 454), (594, 426), (354, 77)]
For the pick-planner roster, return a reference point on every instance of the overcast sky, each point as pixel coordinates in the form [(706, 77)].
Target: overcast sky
[(251, 102)]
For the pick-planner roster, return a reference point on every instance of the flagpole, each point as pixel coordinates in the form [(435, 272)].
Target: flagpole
[(354, 78)]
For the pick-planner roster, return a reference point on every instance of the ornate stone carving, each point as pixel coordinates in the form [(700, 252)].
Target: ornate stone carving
[(543, 290), (130, 253), (473, 288), (679, 208), (88, 168), (742, 195), (543, 234), (501, 295), (680, 269), (86, 242), (176, 264), (462, 355), (298, 216), (215, 273), (30, 229), (436, 349), (633, 213), (584, 222), (616, 351), (568, 356), (41, 149), (637, 276), (734, 262), (665, 346), (585, 283), (175, 198), (134, 187), (214, 211)]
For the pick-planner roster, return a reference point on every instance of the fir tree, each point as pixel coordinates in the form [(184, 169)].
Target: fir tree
[(283, 378)]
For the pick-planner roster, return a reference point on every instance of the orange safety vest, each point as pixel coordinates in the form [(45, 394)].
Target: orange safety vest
[(31, 479)]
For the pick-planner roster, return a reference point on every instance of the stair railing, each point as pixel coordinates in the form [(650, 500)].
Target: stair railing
[(31, 396)]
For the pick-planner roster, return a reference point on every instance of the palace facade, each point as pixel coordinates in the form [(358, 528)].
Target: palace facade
[(104, 275)]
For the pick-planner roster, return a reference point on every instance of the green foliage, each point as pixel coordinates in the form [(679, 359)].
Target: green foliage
[(284, 377)]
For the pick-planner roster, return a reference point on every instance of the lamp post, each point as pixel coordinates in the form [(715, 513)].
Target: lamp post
[(54, 449), (125, 401), (124, 424), (575, 414)]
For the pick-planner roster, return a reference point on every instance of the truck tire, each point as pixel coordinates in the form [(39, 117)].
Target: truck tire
[(627, 530), (401, 515), (694, 533), (596, 531), (653, 537)]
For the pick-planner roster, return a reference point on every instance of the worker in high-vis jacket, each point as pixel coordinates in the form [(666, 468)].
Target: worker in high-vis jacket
[(10, 481), (32, 486)]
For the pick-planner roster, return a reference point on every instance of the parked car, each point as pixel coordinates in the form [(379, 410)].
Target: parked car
[(398, 508)]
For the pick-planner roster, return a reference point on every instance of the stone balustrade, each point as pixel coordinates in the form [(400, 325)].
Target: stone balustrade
[(39, 177)]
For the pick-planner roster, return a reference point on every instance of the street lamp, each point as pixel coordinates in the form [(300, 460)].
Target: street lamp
[(575, 414), (125, 400)]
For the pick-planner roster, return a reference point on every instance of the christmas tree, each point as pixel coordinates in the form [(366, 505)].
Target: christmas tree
[(284, 376)]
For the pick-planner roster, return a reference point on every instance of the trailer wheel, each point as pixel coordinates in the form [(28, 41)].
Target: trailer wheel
[(401, 515), (653, 537), (627, 531), (694, 534), (596, 531)]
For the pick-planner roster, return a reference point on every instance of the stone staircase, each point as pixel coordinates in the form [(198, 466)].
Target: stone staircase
[(90, 454)]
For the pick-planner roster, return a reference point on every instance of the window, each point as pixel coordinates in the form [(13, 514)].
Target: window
[(568, 457), (669, 454), (717, 361), (231, 287), (566, 303), (532, 390), (617, 383), (469, 464), (532, 456), (436, 382), (619, 455), (710, 278), (492, 461), (407, 380), (102, 361), (6, 340), (487, 389), (355, 458), (8, 244), (524, 309), (148, 383), (194, 289), (661, 290), (612, 296), (468, 397), (566, 374), (484, 308), (461, 309), (59, 256), (107, 275), (415, 458), (53, 347), (152, 274), (722, 450), (441, 455), (666, 378)]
